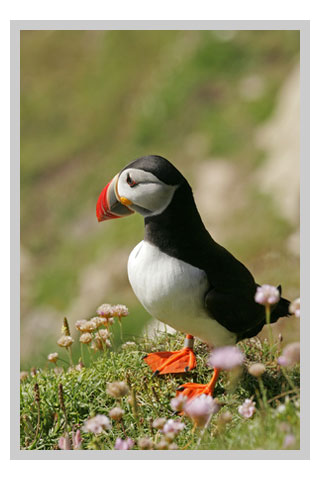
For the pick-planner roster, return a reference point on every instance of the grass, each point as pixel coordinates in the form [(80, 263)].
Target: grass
[(45, 417)]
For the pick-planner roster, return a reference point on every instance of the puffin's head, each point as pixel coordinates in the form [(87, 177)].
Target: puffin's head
[(146, 186)]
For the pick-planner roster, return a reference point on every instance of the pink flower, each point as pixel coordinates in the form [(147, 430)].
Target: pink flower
[(226, 358), (267, 295), (290, 355), (105, 310), (123, 444), (294, 307), (64, 442), (289, 441), (97, 424), (76, 440), (120, 311), (247, 409), (172, 426), (177, 403), (200, 409)]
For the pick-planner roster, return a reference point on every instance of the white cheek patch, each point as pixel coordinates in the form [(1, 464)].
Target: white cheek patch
[(149, 192)]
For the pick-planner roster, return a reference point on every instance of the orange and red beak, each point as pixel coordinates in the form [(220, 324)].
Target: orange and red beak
[(109, 205)]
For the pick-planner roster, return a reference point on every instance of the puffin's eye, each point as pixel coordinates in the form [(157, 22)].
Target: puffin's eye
[(130, 182)]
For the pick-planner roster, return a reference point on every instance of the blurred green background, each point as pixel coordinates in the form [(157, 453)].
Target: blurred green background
[(223, 106)]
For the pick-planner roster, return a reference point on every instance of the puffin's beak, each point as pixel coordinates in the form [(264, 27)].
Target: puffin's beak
[(109, 205)]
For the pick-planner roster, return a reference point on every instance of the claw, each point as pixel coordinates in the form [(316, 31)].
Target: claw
[(155, 373)]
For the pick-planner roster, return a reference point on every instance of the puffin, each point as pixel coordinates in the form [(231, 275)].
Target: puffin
[(178, 272)]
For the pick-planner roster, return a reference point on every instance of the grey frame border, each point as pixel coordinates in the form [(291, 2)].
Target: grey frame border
[(304, 27)]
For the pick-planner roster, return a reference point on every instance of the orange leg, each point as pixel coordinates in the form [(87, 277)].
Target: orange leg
[(192, 390), (173, 362)]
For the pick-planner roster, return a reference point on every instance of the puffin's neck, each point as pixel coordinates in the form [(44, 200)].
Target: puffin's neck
[(179, 229)]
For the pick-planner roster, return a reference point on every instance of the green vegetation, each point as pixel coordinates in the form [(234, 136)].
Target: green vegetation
[(274, 425)]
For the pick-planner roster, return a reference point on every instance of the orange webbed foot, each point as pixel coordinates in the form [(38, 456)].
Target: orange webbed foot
[(192, 390), (180, 361)]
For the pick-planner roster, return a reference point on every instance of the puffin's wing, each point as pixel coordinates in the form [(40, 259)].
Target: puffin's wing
[(236, 311)]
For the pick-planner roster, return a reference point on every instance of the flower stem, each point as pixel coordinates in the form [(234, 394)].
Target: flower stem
[(121, 330), (288, 379), (263, 393), (70, 356), (268, 315), (82, 353)]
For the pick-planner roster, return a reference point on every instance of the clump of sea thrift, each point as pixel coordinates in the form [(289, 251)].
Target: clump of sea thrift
[(200, 409), (65, 341), (76, 440), (103, 333), (105, 310), (123, 444), (267, 295), (23, 376), (226, 358), (120, 311), (85, 338), (159, 423), (97, 424), (80, 324), (89, 326), (289, 441), (172, 427), (178, 403), (145, 443), (225, 417), (53, 357), (257, 369), (98, 321), (117, 389), (64, 442), (290, 355), (294, 307), (247, 409), (116, 413)]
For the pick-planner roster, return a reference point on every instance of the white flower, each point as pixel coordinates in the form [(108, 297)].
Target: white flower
[(159, 423), (116, 413), (200, 409), (105, 310), (53, 357), (117, 389), (177, 403), (173, 426), (97, 424), (247, 409), (123, 444), (85, 338), (79, 324), (290, 355), (65, 341), (226, 358), (257, 369), (120, 311), (294, 307)]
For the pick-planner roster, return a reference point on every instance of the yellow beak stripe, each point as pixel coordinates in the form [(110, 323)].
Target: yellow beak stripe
[(125, 201)]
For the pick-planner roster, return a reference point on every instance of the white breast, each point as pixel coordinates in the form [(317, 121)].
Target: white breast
[(173, 292)]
